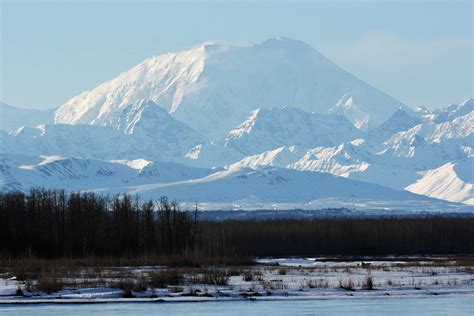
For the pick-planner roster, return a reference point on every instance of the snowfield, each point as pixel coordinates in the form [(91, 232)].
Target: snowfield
[(272, 279)]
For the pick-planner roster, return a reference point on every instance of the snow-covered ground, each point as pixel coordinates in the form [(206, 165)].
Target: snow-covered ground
[(270, 279)]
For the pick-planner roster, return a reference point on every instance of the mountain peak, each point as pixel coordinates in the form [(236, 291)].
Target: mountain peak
[(400, 114), (400, 121), (213, 87), (455, 110), (209, 47), (283, 41), (286, 45), (468, 102)]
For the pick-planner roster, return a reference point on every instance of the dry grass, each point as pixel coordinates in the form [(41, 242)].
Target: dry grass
[(347, 284), (50, 276), (273, 285), (316, 284)]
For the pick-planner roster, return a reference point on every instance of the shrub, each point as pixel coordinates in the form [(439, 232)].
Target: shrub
[(19, 292), (282, 271), (368, 283), (163, 278), (51, 284), (126, 284), (129, 284), (215, 277), (248, 276), (141, 285), (127, 294)]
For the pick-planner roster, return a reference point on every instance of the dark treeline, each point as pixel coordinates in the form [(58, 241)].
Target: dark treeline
[(346, 236), (53, 224)]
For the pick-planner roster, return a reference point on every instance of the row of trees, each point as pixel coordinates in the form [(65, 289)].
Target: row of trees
[(49, 223), (52, 224), (345, 236)]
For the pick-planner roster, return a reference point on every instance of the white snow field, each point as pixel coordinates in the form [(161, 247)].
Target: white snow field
[(270, 125), (273, 279)]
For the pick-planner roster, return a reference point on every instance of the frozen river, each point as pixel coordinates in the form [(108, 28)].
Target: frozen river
[(450, 305)]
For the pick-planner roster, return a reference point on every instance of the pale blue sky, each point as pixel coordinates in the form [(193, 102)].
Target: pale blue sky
[(420, 52)]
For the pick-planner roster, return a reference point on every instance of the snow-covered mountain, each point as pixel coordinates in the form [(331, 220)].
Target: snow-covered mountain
[(429, 145), (236, 125), (143, 131), (397, 163), (213, 87), (400, 121), (287, 126), (20, 172), (454, 110), (354, 160), (460, 128)]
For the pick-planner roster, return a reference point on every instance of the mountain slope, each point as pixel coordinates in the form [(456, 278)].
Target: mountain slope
[(213, 87), (271, 128), (20, 172), (65, 140), (398, 122), (153, 127), (283, 189), (452, 182), (278, 157), (143, 131), (354, 160)]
